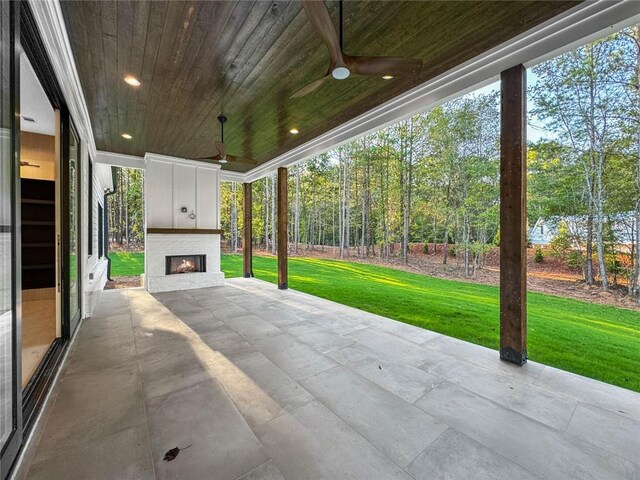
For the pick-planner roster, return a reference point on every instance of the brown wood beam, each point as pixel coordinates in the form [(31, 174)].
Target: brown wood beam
[(283, 238), (247, 232), (513, 214)]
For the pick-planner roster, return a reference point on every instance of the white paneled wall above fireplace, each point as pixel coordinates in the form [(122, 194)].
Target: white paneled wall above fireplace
[(173, 185)]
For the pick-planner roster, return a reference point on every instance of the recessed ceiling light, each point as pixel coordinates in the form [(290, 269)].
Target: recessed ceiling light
[(387, 77), (222, 160), (294, 131), (127, 136), (133, 81)]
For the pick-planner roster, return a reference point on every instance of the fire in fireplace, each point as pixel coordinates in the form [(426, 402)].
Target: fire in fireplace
[(185, 264)]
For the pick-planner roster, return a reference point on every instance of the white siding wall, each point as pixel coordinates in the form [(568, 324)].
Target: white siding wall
[(94, 273)]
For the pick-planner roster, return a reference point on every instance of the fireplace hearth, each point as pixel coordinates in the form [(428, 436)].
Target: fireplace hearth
[(178, 264)]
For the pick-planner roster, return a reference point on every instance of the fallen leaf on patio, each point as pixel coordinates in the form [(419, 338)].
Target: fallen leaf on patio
[(171, 454)]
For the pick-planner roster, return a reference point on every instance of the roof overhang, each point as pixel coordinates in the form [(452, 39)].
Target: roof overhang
[(577, 26)]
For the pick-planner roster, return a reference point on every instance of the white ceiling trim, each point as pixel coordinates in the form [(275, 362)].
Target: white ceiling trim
[(156, 157), (229, 176), (131, 161), (119, 160), (52, 29)]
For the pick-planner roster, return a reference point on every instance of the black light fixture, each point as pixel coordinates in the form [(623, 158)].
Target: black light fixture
[(222, 119)]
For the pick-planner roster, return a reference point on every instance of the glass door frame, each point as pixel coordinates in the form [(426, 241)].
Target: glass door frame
[(12, 445), (69, 323)]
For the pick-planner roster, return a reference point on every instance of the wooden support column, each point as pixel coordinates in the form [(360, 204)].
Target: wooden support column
[(283, 238), (513, 214), (247, 232)]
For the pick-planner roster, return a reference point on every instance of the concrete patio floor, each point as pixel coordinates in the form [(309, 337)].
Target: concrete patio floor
[(255, 383)]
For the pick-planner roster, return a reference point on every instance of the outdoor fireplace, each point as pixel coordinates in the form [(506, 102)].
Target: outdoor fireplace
[(185, 264)]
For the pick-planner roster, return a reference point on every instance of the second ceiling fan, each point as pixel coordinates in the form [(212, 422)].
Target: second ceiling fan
[(222, 156), (343, 65)]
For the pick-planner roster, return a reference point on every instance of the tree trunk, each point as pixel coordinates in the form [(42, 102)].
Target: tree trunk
[(465, 241), (588, 262), (234, 217), (347, 205), (435, 243), (266, 214), (296, 213), (445, 247), (600, 221), (126, 208), (386, 208), (340, 204), (635, 277), (597, 162), (364, 215)]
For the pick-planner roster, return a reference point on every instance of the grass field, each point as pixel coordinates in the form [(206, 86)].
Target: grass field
[(597, 341), (125, 264)]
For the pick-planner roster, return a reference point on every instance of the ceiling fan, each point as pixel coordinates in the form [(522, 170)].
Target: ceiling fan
[(343, 65), (222, 156)]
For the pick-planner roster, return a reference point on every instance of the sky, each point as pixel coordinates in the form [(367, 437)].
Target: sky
[(535, 127)]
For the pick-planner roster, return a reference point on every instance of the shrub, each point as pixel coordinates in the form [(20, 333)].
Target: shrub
[(561, 242), (425, 248), (538, 256), (575, 259), (614, 266)]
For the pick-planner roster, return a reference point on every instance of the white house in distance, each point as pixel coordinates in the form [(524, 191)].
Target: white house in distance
[(622, 225)]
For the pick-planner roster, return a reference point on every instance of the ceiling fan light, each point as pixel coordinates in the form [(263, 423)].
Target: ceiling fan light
[(340, 73), (222, 160), (294, 131), (131, 80)]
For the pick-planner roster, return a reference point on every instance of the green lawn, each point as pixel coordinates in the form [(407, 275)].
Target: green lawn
[(125, 264), (597, 341)]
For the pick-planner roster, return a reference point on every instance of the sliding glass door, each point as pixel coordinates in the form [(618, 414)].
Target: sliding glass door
[(71, 192), (10, 391)]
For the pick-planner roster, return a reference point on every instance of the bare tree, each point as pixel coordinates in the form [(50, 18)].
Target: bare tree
[(266, 214)]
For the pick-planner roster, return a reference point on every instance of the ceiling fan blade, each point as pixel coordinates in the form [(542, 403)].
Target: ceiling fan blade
[(396, 66), (248, 161), (230, 158), (320, 18), (311, 87)]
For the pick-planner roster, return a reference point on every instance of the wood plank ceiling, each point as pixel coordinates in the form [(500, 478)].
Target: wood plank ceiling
[(196, 59)]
